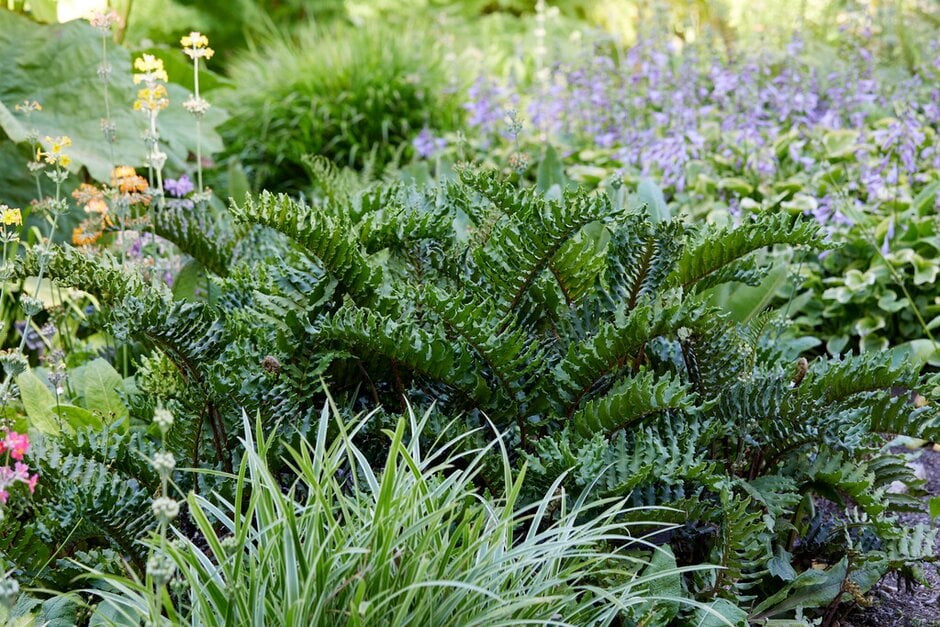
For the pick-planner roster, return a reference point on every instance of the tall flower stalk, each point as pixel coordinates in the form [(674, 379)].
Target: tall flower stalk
[(152, 98), (55, 156), (196, 46), (103, 21), (160, 568)]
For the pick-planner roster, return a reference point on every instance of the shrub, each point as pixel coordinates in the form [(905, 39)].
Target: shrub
[(354, 95)]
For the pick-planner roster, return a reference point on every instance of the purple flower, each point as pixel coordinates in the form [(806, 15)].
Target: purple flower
[(179, 187), (427, 145)]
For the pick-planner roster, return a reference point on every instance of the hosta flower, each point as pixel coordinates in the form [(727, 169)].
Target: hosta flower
[(179, 187), (427, 145)]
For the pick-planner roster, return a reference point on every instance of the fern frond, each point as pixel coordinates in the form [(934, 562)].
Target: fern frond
[(719, 248), (204, 237), (632, 400), (363, 332), (330, 239)]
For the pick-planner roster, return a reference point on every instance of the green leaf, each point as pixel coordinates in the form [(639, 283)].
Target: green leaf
[(934, 507), (916, 354), (811, 589), (720, 613), (77, 417), (37, 401), (551, 171), (56, 65), (652, 197), (98, 382), (924, 202), (744, 302), (780, 565), (840, 143), (192, 284)]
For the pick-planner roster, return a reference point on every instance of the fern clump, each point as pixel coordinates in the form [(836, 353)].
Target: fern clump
[(582, 328)]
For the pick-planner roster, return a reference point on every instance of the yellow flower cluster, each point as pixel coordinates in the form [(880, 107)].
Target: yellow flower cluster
[(10, 217), (151, 99), (149, 70), (196, 46), (55, 155)]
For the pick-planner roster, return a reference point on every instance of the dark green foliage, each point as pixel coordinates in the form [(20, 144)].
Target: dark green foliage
[(580, 329)]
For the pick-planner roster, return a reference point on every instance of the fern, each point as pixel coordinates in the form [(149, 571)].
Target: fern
[(725, 249)]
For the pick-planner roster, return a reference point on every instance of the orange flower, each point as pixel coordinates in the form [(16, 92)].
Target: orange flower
[(81, 238), (125, 178)]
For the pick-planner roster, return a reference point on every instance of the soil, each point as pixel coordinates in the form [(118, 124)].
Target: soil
[(894, 604)]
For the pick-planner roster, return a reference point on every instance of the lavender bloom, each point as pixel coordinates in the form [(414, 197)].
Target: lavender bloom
[(179, 187), (427, 145)]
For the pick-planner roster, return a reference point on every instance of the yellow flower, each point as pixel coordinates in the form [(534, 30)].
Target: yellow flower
[(195, 46), (194, 40), (28, 107), (10, 217), (58, 143), (56, 155), (150, 68), (152, 99)]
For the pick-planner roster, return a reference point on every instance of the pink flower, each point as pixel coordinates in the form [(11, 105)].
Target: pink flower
[(21, 472), (32, 483), (4, 495), (18, 444)]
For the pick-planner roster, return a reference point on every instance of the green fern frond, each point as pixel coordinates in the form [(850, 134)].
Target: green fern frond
[(367, 333), (204, 237), (330, 239), (633, 400), (718, 248)]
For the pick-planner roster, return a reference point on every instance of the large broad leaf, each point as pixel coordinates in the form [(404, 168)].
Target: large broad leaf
[(720, 613), (98, 383), (38, 402), (744, 302), (551, 171), (57, 66), (650, 195), (811, 589)]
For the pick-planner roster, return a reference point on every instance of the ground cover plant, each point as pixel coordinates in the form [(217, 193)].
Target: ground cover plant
[(592, 328), (824, 131)]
